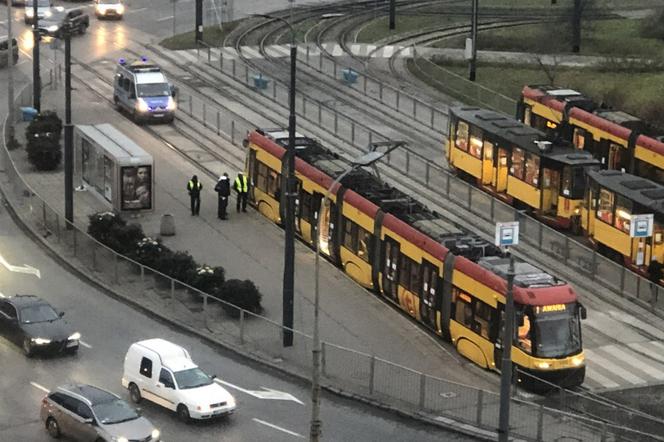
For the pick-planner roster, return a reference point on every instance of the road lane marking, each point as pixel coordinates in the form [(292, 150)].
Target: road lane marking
[(85, 344), (36, 385), (165, 18), (25, 268), (133, 11), (648, 352), (267, 424), (266, 393), (595, 376), (635, 362), (614, 368)]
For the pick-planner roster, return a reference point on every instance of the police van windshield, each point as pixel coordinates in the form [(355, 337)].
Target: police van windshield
[(153, 90)]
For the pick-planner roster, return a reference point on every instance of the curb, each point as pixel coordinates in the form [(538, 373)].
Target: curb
[(446, 423)]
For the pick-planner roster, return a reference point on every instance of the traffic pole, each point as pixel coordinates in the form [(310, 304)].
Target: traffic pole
[(36, 80), (199, 21), (11, 131), (506, 363), (473, 56), (69, 129)]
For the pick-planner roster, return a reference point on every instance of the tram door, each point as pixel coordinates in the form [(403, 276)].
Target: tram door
[(487, 163), (390, 279), (428, 296), (642, 251), (498, 346), (252, 168), (618, 157), (325, 234), (500, 176), (550, 186)]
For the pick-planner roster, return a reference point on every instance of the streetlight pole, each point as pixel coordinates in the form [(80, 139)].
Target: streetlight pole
[(69, 130), (36, 80), (506, 363), (289, 198), (11, 131), (365, 160)]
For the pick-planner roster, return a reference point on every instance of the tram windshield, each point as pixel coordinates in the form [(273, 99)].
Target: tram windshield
[(551, 331)]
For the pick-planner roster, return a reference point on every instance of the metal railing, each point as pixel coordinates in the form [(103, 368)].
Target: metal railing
[(353, 371)]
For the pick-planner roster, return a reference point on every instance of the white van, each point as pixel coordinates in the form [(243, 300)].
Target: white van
[(43, 10), (163, 372)]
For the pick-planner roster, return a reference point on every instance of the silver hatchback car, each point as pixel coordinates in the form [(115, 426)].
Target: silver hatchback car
[(87, 413)]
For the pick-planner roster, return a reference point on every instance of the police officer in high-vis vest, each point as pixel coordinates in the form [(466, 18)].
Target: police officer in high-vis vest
[(194, 188), (241, 186)]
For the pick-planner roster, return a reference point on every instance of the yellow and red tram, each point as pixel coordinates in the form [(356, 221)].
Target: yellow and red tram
[(619, 140), (612, 198), (516, 163), (448, 279)]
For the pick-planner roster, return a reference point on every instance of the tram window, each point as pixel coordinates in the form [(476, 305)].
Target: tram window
[(462, 136), (305, 205), (532, 169), (623, 213), (483, 317), (527, 113), (579, 139), (404, 270), (364, 239), (415, 280), (524, 337), (657, 234), (463, 311), (273, 183), (261, 179), (517, 163), (349, 226), (605, 209), (475, 146)]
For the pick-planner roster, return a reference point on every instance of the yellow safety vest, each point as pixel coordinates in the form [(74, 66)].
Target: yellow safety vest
[(190, 185), (241, 185)]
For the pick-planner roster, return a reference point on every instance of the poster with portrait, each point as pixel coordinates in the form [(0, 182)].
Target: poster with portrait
[(136, 188)]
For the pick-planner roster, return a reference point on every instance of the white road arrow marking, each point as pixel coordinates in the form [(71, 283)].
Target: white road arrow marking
[(20, 269), (265, 393), (267, 424)]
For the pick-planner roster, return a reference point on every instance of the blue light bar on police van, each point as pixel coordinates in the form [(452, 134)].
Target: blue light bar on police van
[(122, 61)]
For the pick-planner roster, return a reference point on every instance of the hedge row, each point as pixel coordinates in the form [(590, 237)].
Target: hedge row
[(112, 230)]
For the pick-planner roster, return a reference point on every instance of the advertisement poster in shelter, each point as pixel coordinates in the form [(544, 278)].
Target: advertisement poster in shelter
[(136, 188)]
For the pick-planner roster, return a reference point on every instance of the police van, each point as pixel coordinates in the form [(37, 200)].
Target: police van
[(142, 90)]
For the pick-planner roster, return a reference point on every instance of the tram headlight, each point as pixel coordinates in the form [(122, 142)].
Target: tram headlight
[(543, 365), (577, 361)]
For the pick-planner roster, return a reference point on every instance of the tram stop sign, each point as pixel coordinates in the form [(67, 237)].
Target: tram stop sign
[(641, 226), (507, 234)]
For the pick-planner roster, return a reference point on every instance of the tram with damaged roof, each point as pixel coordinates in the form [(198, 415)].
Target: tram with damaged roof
[(450, 280)]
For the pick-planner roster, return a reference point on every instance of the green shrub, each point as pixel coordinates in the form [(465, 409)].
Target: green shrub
[(242, 294), (177, 265), (150, 251), (209, 279), (43, 138), (124, 239), (101, 224)]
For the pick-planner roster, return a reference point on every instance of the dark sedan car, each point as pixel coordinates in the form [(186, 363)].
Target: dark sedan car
[(32, 323), (53, 25)]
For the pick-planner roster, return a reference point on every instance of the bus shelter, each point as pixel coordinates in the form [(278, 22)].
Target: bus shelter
[(114, 167)]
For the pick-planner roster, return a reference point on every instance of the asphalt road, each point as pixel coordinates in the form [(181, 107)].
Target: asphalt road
[(108, 328)]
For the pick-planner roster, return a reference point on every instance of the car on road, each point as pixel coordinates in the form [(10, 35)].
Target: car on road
[(163, 373), (109, 9), (54, 24), (4, 51), (87, 413), (36, 326), (43, 10)]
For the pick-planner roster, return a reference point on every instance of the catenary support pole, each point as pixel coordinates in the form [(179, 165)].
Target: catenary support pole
[(69, 129), (473, 32), (289, 250), (11, 129), (506, 363), (576, 27), (393, 14), (36, 80), (199, 21)]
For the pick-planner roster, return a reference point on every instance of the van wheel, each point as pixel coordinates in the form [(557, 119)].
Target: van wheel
[(183, 413), (53, 428), (134, 393)]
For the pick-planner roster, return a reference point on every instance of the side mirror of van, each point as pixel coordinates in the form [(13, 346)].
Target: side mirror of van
[(583, 312), (174, 90), (214, 376)]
